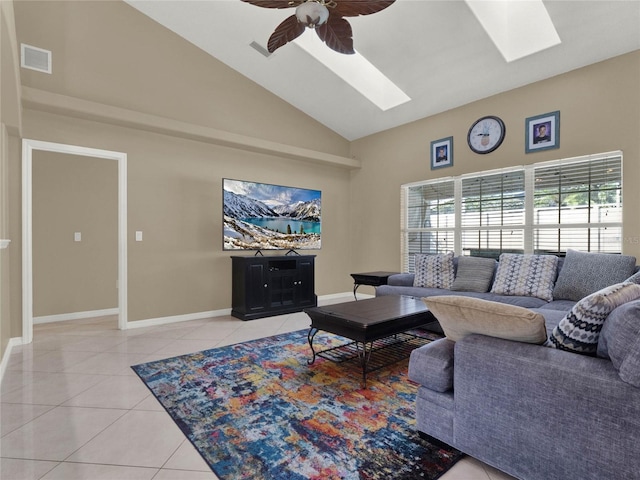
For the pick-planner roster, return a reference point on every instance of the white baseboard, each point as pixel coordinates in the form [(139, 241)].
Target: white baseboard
[(13, 342), (152, 322), (340, 297), (75, 316)]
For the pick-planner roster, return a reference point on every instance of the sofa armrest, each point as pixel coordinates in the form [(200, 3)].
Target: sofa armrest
[(401, 279), (549, 403)]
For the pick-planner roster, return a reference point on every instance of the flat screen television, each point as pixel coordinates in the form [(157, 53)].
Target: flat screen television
[(261, 216)]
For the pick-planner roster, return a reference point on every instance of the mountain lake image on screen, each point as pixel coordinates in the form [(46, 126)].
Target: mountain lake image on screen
[(261, 216)]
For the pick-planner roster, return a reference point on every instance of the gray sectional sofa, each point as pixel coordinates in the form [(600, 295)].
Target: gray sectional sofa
[(535, 412)]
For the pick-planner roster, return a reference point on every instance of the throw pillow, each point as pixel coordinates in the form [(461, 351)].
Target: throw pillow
[(579, 330), (461, 316), (474, 274), (584, 273), (434, 271), (620, 341), (525, 274), (635, 278)]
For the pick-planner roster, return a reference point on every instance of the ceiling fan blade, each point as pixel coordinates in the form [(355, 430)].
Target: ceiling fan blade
[(274, 3), (353, 8), (288, 30), (337, 34)]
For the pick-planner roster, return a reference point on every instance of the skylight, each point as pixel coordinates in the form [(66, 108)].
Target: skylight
[(518, 28), (357, 71)]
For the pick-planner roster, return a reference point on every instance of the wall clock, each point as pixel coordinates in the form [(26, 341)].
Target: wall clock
[(486, 134)]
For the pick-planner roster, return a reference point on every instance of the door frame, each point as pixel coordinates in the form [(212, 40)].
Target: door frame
[(28, 146)]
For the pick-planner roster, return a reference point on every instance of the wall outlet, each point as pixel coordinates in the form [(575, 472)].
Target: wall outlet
[(77, 237), (138, 236)]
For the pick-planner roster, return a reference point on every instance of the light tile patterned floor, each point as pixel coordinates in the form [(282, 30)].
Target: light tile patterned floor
[(72, 409)]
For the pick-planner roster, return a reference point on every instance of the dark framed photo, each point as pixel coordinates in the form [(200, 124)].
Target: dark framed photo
[(542, 132), (442, 153)]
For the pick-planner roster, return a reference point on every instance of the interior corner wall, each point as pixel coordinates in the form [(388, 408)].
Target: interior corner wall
[(175, 199), (599, 112), (10, 127)]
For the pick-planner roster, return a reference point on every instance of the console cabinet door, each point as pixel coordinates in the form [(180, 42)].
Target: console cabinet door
[(257, 287), (305, 287), (282, 288)]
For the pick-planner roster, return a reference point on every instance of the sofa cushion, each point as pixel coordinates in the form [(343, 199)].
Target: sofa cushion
[(579, 330), (620, 341), (432, 365), (460, 316), (526, 274), (474, 274), (434, 271), (584, 273)]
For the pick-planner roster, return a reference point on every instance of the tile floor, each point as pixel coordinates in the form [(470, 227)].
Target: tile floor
[(71, 408)]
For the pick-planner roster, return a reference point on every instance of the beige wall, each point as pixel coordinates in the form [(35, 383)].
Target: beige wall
[(73, 193), (599, 112), (174, 198)]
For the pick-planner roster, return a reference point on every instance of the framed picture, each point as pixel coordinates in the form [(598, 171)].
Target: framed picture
[(542, 132), (442, 153)]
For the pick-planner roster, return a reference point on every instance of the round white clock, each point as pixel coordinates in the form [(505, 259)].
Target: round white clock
[(486, 134)]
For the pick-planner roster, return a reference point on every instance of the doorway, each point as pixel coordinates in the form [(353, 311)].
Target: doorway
[(28, 147)]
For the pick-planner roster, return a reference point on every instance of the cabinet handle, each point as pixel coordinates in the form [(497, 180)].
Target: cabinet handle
[(265, 285)]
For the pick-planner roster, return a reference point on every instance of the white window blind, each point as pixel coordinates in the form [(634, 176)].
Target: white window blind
[(430, 220), (542, 208), (578, 205), (493, 213)]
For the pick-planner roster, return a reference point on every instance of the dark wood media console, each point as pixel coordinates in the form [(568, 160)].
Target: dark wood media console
[(265, 286)]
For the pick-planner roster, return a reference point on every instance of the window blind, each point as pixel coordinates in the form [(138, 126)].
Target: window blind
[(547, 207)]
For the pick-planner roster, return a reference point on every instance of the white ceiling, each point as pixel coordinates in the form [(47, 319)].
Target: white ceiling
[(436, 51)]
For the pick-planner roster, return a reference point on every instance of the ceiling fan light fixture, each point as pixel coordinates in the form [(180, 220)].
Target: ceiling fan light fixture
[(312, 13)]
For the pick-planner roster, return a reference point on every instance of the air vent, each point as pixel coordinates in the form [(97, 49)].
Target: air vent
[(35, 58), (260, 49)]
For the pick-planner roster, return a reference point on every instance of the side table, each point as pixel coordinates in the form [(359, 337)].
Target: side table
[(373, 279)]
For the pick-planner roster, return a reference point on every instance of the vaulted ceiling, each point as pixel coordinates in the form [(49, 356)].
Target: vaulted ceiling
[(437, 52)]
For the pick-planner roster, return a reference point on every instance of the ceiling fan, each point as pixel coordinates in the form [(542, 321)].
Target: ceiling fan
[(325, 16)]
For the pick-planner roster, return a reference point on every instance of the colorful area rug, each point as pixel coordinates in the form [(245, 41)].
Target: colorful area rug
[(256, 410)]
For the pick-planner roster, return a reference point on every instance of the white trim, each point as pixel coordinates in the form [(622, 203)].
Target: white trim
[(28, 146), (63, 317), (187, 317), (13, 342), (152, 322), (328, 299)]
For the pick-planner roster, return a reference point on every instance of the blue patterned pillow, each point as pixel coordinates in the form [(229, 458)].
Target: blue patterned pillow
[(579, 330), (434, 271), (584, 273), (526, 275)]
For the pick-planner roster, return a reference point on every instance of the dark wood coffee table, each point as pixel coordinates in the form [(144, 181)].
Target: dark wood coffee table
[(377, 325)]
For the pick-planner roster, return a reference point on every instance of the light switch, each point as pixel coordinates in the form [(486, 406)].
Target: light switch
[(77, 237), (138, 236)]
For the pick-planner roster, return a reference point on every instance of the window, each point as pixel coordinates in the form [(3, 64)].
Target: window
[(541, 208)]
